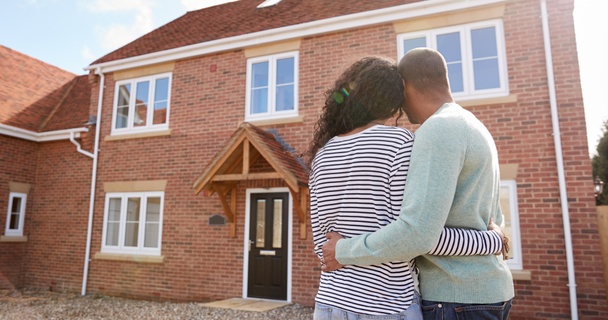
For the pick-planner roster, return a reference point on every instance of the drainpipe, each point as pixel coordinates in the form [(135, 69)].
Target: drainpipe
[(78, 148), (95, 157), (560, 161)]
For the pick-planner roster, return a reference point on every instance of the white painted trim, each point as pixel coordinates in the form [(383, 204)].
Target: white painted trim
[(246, 237), (40, 136), (351, 21)]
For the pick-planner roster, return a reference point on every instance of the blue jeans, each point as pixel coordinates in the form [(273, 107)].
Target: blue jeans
[(433, 310), (325, 312)]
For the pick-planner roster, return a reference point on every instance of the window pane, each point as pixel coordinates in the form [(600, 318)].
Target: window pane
[(124, 95), (141, 113), (113, 226), (455, 77), (112, 235), (259, 101), (486, 74), (16, 207), (485, 58), (285, 71), (277, 223), (259, 75), (161, 96), (141, 104), (160, 112), (161, 90), (153, 209), (449, 46), (505, 206), (410, 44), (483, 42), (285, 97), (260, 223), (151, 235), (122, 106), (132, 223), (14, 221), (142, 92), (114, 209)]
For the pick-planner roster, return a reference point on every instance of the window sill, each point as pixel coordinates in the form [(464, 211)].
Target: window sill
[(268, 122), (13, 238), (512, 98), (138, 135), (129, 257), (523, 275)]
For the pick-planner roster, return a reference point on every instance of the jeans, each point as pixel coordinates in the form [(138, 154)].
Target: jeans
[(325, 312), (433, 310)]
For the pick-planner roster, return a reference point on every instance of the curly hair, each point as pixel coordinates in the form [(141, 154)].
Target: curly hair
[(370, 89)]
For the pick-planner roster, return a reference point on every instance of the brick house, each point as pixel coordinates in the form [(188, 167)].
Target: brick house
[(185, 183)]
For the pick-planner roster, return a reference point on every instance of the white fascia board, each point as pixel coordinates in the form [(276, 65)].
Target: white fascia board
[(357, 20), (40, 136)]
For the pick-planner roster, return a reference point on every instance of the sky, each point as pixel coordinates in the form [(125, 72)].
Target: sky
[(71, 34)]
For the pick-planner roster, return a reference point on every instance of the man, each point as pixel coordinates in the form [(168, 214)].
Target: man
[(453, 181)]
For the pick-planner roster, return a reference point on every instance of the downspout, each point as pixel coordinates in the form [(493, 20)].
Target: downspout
[(78, 148), (93, 182), (560, 161)]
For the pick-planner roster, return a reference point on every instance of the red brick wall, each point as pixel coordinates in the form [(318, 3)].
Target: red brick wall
[(18, 164), (58, 208)]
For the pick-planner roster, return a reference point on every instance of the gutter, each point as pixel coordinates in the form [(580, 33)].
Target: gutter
[(40, 136), (560, 161), (95, 157)]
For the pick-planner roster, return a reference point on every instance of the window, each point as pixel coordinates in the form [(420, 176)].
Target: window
[(474, 54), (132, 223), (272, 87), (16, 214), (142, 104), (509, 205)]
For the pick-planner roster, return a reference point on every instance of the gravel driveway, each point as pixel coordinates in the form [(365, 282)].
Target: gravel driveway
[(50, 305)]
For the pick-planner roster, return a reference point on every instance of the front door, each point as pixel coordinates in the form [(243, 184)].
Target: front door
[(268, 254)]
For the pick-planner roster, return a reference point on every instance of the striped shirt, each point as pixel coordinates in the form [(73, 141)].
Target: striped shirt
[(356, 186)]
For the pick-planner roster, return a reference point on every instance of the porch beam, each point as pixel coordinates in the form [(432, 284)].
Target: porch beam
[(250, 176)]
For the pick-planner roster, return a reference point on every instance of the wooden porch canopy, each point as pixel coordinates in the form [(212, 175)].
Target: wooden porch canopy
[(247, 146)]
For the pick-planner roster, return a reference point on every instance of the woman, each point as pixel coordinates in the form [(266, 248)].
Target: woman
[(358, 173)]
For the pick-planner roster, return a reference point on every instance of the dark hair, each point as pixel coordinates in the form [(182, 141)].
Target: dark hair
[(370, 89), (425, 69)]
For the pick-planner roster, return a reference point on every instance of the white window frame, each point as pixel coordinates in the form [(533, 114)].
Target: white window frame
[(19, 231), (150, 127), (469, 92), (140, 249), (515, 261), (272, 63)]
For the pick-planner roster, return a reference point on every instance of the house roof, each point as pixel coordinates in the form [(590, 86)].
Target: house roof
[(240, 18), (39, 97), (228, 162)]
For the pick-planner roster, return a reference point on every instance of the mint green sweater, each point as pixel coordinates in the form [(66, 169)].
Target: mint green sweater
[(454, 181)]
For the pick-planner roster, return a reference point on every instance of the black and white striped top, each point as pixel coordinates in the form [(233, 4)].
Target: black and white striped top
[(356, 186)]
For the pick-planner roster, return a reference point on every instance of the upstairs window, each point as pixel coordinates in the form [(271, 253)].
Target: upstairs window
[(474, 54), (142, 104), (272, 87), (16, 214), (133, 223)]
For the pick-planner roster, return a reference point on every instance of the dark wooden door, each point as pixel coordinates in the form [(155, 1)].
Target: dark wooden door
[(268, 246)]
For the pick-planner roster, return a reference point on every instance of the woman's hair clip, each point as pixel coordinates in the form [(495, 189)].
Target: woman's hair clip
[(340, 95)]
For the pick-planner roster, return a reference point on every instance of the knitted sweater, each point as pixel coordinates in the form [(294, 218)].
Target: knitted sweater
[(453, 181)]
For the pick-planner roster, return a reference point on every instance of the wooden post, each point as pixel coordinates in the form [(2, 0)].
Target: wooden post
[(602, 219)]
